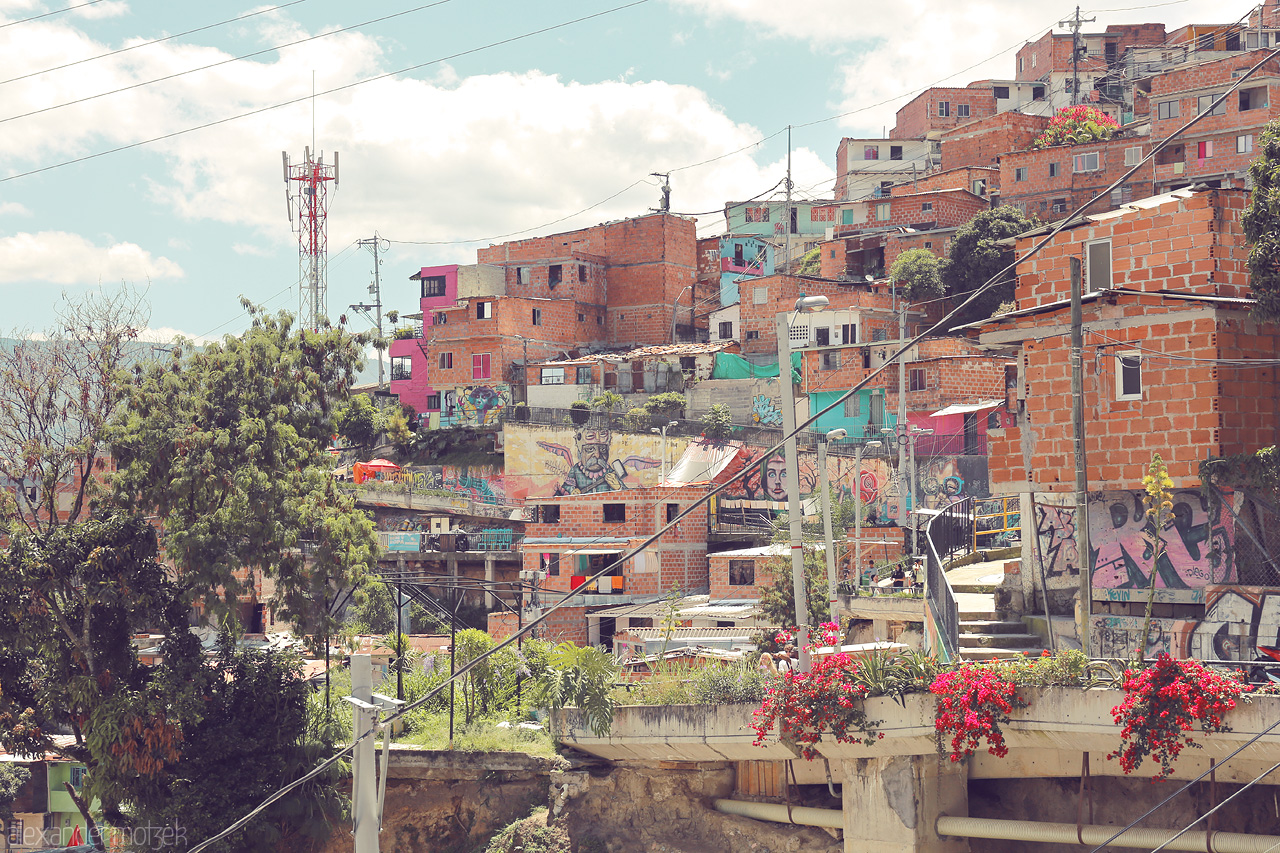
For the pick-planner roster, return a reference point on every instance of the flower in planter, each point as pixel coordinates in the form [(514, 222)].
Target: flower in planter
[(1161, 704), (805, 705), (973, 701)]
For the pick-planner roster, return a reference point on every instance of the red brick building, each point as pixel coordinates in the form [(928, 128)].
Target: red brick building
[(980, 143), (939, 108), (868, 307), (1050, 183)]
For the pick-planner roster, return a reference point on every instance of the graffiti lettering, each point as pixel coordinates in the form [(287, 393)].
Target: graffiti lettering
[(765, 412), (1197, 550), (1056, 529)]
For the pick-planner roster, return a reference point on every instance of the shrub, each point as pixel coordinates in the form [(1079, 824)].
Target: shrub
[(666, 406), (636, 420), (1076, 125), (717, 423), (807, 704)]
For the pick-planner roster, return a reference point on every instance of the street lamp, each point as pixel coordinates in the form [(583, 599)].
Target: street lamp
[(673, 311), (662, 477), (825, 485), (782, 327), (857, 491)]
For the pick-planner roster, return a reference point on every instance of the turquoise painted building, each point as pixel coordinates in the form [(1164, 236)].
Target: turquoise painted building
[(863, 414), (742, 257)]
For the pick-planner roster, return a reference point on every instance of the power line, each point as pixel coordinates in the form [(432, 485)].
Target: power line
[(1246, 787), (334, 90), (177, 74), (1156, 354), (153, 41), (48, 14)]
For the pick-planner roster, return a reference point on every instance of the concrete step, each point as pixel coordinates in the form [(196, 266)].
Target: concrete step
[(991, 615), (997, 653), (1002, 641), (991, 626)]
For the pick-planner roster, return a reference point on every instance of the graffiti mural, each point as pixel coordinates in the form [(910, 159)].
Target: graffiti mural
[(1056, 531), (481, 484), (546, 461), (1237, 619), (945, 480), (767, 480), (1197, 550), (474, 405), (764, 411)]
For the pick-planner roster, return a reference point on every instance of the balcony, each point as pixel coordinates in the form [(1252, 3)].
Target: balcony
[(494, 540), (609, 585)]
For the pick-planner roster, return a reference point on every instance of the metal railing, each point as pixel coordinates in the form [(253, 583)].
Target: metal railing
[(496, 539), (949, 531), (996, 519)]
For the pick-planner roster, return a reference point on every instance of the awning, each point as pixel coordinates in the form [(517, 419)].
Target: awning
[(961, 409), (703, 461)]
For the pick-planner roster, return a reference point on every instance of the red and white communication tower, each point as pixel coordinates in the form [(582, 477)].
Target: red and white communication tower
[(307, 192)]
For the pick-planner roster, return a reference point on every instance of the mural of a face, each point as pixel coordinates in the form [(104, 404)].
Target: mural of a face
[(593, 450), (774, 476)]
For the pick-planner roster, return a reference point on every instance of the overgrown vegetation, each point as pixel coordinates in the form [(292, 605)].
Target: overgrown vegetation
[(1261, 222), (976, 255), (918, 274)]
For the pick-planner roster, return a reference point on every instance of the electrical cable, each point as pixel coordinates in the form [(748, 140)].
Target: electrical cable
[(49, 14), (221, 62), (1156, 354), (1246, 787), (743, 201), (153, 41), (346, 86)]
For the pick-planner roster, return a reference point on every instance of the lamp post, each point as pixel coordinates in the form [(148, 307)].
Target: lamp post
[(824, 481), (857, 516), (674, 304), (662, 476), (782, 327), (913, 433)]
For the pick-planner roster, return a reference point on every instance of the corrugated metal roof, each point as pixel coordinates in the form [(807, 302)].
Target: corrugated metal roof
[(640, 354), (693, 633)]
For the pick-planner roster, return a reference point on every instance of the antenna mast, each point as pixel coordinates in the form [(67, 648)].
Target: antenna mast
[(307, 192)]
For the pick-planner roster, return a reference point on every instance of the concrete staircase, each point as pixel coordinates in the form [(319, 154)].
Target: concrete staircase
[(985, 633)]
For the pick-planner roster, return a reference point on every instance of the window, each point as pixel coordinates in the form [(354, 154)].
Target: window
[(402, 367), (1034, 58), (1244, 144), (1251, 40), (916, 378), (757, 214), (433, 402), (742, 572), (879, 335), (1253, 99), (552, 376), (866, 358), (895, 152), (480, 366), (944, 109), (822, 336), (1059, 205), (1001, 93), (484, 310), (77, 776), (753, 335), (849, 333), (876, 418), (672, 511), (440, 318), (928, 244), (1203, 102), (1204, 149), (522, 275), (871, 152), (1133, 156), (822, 214), (585, 376), (433, 285), (1053, 170), (550, 563), (555, 273), (1037, 92), (831, 360), (1020, 65), (978, 187), (885, 188), (726, 330), (882, 212), (1121, 195), (599, 319), (926, 206), (537, 316), (15, 831), (615, 512), (445, 361), (549, 513), (1097, 273), (582, 318), (846, 216), (1020, 173), (962, 110), (1168, 109), (853, 406), (760, 295), (1129, 375), (1085, 162)]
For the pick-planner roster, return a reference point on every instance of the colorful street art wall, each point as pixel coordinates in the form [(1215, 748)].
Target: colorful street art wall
[(544, 461), (480, 483), (1237, 619), (474, 405)]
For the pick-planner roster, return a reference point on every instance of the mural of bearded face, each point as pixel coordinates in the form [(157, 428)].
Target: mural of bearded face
[(593, 450)]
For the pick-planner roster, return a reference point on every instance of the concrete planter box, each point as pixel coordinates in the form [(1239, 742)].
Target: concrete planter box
[(673, 733), (882, 607)]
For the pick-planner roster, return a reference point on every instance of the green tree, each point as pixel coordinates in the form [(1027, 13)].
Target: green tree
[(1261, 223), (226, 446), (976, 255), (666, 406), (918, 273), (12, 778), (778, 600), (717, 423), (359, 421)]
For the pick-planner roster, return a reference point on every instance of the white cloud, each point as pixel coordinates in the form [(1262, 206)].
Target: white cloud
[(13, 208), (167, 334), (249, 249), (57, 257), (896, 50), (98, 11)]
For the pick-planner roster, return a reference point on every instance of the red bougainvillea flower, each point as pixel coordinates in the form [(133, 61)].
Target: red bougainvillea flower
[(973, 700)]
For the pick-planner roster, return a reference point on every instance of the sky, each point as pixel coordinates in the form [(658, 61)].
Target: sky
[(459, 123)]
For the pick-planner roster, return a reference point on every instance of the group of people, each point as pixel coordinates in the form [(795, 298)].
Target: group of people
[(782, 661)]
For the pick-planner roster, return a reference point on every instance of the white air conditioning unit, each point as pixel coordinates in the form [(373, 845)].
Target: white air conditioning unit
[(1179, 168)]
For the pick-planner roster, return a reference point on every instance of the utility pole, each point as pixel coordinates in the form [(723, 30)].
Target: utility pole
[(1074, 23), (375, 245), (900, 434), (665, 205), (786, 213), (1082, 470), (525, 341)]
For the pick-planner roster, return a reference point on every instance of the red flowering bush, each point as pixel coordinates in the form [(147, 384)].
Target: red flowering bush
[(973, 700), (1162, 702), (1076, 125), (807, 704)]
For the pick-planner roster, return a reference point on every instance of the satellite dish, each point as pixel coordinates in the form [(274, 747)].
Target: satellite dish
[(870, 277)]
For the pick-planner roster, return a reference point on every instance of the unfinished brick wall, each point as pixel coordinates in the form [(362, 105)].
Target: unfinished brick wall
[(781, 293), (762, 572), (1027, 182), (953, 178), (979, 144)]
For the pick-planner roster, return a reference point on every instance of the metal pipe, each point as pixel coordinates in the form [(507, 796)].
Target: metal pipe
[(1065, 833), (800, 815)]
